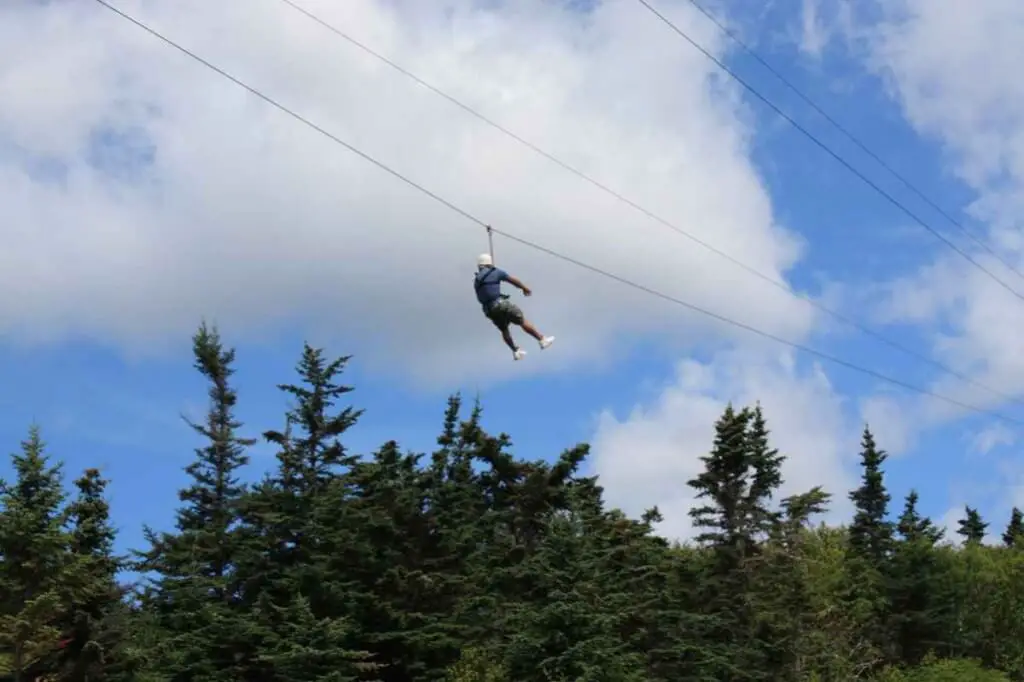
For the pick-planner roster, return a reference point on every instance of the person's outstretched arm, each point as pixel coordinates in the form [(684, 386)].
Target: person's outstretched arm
[(519, 285)]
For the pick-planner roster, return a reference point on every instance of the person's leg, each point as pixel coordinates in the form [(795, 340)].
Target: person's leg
[(517, 317), (506, 335), (499, 315), (531, 330)]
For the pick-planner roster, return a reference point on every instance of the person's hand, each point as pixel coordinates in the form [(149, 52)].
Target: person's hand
[(527, 292)]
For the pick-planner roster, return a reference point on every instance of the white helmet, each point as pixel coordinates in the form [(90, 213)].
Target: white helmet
[(484, 260)]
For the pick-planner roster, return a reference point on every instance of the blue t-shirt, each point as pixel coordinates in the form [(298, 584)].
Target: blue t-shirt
[(488, 284)]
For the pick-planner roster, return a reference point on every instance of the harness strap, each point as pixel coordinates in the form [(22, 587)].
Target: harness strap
[(481, 281)]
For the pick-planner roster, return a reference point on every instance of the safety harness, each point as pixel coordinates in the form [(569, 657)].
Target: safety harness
[(479, 281)]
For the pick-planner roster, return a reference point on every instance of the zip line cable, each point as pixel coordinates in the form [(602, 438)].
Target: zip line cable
[(852, 138), (828, 150), (604, 188), (555, 254)]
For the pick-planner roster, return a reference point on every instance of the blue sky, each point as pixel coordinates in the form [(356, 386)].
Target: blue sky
[(108, 392)]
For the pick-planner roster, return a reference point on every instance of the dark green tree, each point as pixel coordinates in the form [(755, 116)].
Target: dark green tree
[(913, 527), (870, 544), (722, 487), (298, 528), (778, 591), (870, 532), (597, 565), (920, 612), (971, 528), (1013, 536), (312, 460), (766, 465), (35, 563), (95, 635), (475, 563), (736, 486), (195, 592)]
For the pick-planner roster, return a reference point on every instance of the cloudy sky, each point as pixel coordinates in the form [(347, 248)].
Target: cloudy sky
[(141, 191)]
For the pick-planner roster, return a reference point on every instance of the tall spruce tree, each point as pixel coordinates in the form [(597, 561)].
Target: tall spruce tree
[(779, 594), (1013, 536), (35, 563), (971, 527), (870, 540), (766, 477), (870, 532), (594, 563), (454, 522), (312, 460), (913, 527), (382, 566), (94, 646), (919, 616), (299, 528), (194, 592), (736, 486), (477, 565), (722, 487)]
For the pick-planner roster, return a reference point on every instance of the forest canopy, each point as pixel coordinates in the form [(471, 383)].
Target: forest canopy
[(472, 563)]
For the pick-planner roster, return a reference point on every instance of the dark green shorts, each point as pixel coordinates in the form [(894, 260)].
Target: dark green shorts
[(503, 313)]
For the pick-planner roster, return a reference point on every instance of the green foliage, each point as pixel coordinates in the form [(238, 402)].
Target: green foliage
[(971, 528), (1013, 536), (476, 666), (35, 560), (918, 609), (93, 633), (472, 563), (193, 594), (944, 671), (871, 533)]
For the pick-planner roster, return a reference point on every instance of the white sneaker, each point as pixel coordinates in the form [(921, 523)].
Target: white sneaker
[(546, 341), (518, 354)]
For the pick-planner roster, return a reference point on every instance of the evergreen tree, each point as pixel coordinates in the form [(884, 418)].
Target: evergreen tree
[(766, 465), (972, 528), (723, 484), (299, 528), (194, 592), (312, 460), (870, 532), (35, 564), (475, 564), (919, 617), (779, 593), (93, 648), (1013, 536), (382, 566), (870, 539), (913, 527), (616, 617), (738, 481), (455, 531)]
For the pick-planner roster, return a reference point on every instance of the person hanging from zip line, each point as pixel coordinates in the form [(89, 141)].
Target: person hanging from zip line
[(499, 309)]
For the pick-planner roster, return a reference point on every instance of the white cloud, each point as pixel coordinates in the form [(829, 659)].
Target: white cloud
[(648, 457), (237, 212), (814, 35), (954, 70), (889, 423), (994, 498), (992, 437), (822, 21), (950, 522)]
